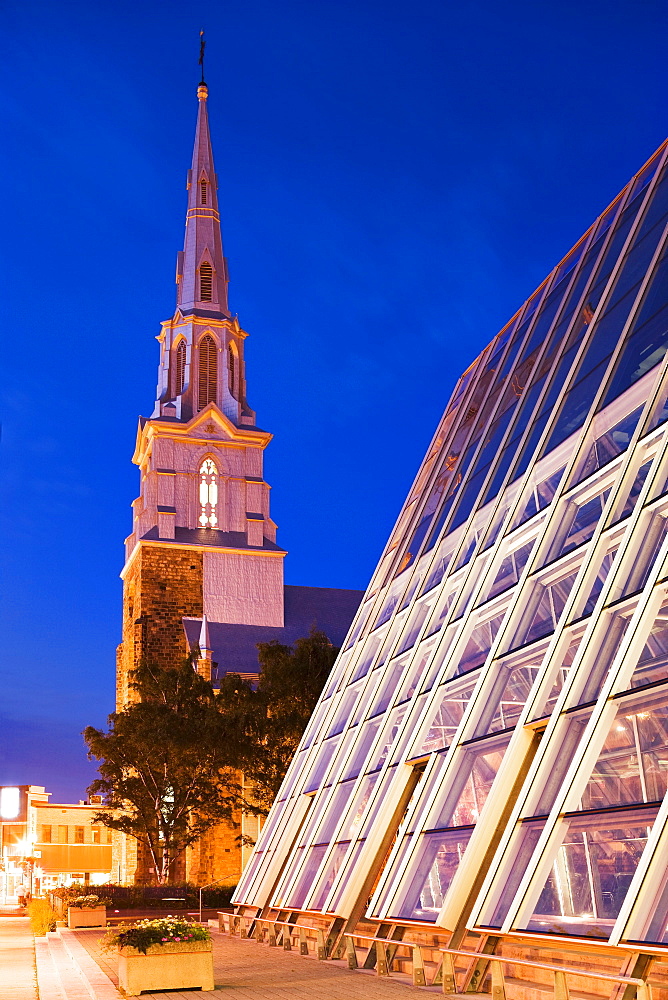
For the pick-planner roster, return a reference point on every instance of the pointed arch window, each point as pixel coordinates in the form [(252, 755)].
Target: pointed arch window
[(231, 371), (208, 494), (180, 368), (207, 387), (205, 281), (202, 192)]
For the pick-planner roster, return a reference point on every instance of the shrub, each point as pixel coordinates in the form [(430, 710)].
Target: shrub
[(42, 917), (144, 933), (89, 902)]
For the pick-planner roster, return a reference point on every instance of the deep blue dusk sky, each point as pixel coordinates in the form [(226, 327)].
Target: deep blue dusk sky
[(394, 180)]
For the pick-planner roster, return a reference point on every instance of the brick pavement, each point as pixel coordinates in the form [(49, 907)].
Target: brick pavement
[(246, 970), (18, 980)]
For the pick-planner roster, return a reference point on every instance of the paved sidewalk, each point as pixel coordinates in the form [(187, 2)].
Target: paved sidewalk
[(246, 970), (18, 980)]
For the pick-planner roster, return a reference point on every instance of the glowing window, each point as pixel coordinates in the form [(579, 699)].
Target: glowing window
[(202, 192), (10, 803), (208, 494), (180, 369), (205, 282), (208, 375)]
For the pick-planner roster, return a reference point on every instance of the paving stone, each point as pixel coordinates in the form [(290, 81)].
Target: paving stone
[(18, 977), (245, 970)]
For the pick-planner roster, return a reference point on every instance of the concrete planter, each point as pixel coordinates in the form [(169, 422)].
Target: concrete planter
[(89, 916), (171, 966)]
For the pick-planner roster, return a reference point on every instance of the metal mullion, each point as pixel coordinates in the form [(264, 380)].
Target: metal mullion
[(453, 757), (651, 866), (392, 885)]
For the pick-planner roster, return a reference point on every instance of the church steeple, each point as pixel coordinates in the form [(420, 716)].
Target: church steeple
[(201, 269), (202, 346)]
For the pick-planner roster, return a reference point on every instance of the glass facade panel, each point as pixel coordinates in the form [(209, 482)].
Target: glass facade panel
[(438, 858), (591, 874), (447, 717)]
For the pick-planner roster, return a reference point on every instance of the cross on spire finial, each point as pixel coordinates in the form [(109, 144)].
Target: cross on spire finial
[(202, 45)]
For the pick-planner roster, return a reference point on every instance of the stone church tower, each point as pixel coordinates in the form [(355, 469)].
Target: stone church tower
[(203, 541), (202, 565)]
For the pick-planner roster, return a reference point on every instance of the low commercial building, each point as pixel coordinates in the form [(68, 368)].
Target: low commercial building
[(47, 844)]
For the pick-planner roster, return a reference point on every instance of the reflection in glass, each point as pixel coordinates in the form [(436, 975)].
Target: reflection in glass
[(655, 534), (507, 698), (591, 874), (560, 671), (515, 867), (328, 876), (633, 762), (636, 488), (468, 790), (305, 881), (556, 764), (545, 607), (479, 644), (447, 717), (610, 444), (540, 497), (579, 524), (597, 586), (607, 647), (510, 569), (652, 665), (439, 855)]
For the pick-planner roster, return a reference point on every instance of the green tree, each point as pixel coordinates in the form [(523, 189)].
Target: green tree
[(166, 763), (271, 718)]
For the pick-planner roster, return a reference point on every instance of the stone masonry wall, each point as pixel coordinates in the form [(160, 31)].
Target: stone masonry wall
[(163, 584)]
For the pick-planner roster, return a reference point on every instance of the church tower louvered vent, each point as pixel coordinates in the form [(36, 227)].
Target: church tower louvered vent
[(208, 375), (202, 192), (180, 373), (205, 282), (230, 370)]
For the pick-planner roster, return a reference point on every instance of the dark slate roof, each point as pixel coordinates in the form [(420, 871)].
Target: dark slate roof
[(212, 536), (234, 646)]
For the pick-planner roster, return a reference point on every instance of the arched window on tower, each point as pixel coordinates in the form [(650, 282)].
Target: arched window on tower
[(208, 494), (207, 383), (231, 371), (205, 281), (202, 192), (180, 368)]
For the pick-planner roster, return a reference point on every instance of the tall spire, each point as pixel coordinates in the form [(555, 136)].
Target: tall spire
[(201, 267)]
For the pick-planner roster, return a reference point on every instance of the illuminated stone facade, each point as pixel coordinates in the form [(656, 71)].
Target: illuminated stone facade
[(487, 767)]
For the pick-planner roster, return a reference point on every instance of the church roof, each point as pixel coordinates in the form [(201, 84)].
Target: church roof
[(235, 646)]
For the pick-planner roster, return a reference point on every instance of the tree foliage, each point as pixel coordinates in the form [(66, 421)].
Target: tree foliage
[(166, 764), (170, 761), (273, 716)]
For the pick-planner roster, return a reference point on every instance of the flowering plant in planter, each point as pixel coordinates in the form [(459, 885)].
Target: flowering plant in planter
[(144, 933), (89, 902)]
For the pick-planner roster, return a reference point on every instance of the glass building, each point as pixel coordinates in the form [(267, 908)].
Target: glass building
[(489, 760)]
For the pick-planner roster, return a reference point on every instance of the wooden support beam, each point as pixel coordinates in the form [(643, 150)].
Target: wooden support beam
[(419, 978), (498, 982)]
